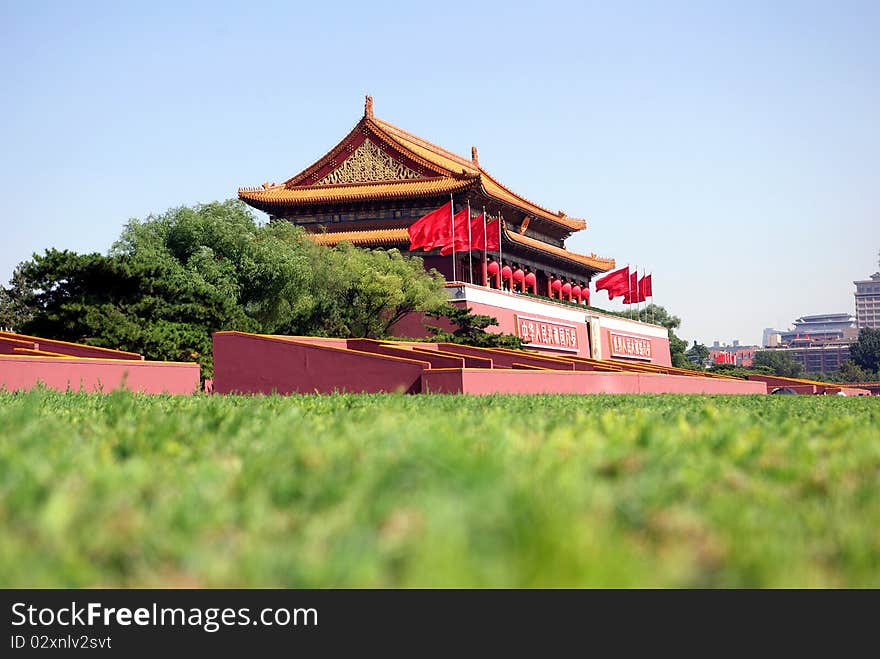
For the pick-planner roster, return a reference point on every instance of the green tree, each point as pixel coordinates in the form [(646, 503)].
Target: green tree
[(119, 303), (852, 372), (677, 346), (470, 329), (698, 354), (13, 313), (779, 362), (173, 279), (865, 352), (363, 293), (739, 371)]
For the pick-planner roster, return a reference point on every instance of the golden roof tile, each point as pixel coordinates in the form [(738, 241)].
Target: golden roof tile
[(283, 195)]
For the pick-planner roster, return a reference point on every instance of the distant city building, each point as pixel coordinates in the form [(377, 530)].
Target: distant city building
[(772, 338), (826, 358), (868, 302), (822, 327), (820, 343), (734, 354)]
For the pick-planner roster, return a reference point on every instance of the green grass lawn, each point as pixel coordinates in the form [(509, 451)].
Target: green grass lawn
[(315, 491)]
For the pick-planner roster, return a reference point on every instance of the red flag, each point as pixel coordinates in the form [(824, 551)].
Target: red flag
[(634, 292), (461, 235), (424, 232), (491, 240), (645, 288), (616, 283)]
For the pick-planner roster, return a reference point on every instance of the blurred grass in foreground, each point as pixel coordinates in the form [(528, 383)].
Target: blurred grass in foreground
[(358, 490)]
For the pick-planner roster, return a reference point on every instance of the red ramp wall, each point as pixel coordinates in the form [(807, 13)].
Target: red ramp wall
[(64, 373), (253, 363)]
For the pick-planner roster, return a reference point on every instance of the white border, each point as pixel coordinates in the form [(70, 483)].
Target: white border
[(627, 356)]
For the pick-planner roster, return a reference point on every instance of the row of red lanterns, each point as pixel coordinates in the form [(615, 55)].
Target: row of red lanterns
[(527, 281)]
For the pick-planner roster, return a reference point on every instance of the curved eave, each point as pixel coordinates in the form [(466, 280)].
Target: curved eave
[(280, 196), (593, 262), (454, 163), (492, 188)]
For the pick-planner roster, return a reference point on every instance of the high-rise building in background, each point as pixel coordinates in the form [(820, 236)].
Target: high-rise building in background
[(868, 302)]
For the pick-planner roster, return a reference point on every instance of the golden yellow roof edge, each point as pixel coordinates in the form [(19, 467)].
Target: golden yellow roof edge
[(373, 189), (600, 263), (573, 223), (430, 146), (355, 184)]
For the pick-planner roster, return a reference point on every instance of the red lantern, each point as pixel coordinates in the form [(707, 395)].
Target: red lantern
[(492, 268), (506, 272), (576, 293), (518, 275), (566, 291), (531, 281), (556, 285)]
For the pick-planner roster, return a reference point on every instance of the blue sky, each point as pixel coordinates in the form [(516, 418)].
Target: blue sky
[(731, 148)]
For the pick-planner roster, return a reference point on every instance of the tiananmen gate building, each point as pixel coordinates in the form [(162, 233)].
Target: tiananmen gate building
[(380, 179)]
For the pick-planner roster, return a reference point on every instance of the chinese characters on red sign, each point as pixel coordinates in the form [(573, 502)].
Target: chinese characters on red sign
[(623, 345), (544, 334)]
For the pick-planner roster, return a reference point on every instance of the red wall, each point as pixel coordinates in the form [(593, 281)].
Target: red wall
[(250, 363), (98, 375), (533, 382), (72, 349)]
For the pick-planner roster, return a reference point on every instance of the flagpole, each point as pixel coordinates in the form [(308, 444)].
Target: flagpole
[(485, 248), (470, 260), (500, 254), (452, 217), (638, 295), (628, 292)]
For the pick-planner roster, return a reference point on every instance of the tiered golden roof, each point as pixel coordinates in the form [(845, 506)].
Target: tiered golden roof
[(442, 172)]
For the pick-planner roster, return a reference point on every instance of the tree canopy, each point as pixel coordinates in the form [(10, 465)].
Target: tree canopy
[(171, 280), (470, 329), (780, 363), (677, 346), (698, 354), (865, 352)]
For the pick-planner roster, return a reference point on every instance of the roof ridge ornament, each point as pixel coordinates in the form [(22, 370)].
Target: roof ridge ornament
[(368, 106), (475, 156)]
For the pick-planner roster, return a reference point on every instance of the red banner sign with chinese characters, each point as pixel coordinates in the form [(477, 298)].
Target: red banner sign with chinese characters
[(634, 347), (545, 334)]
